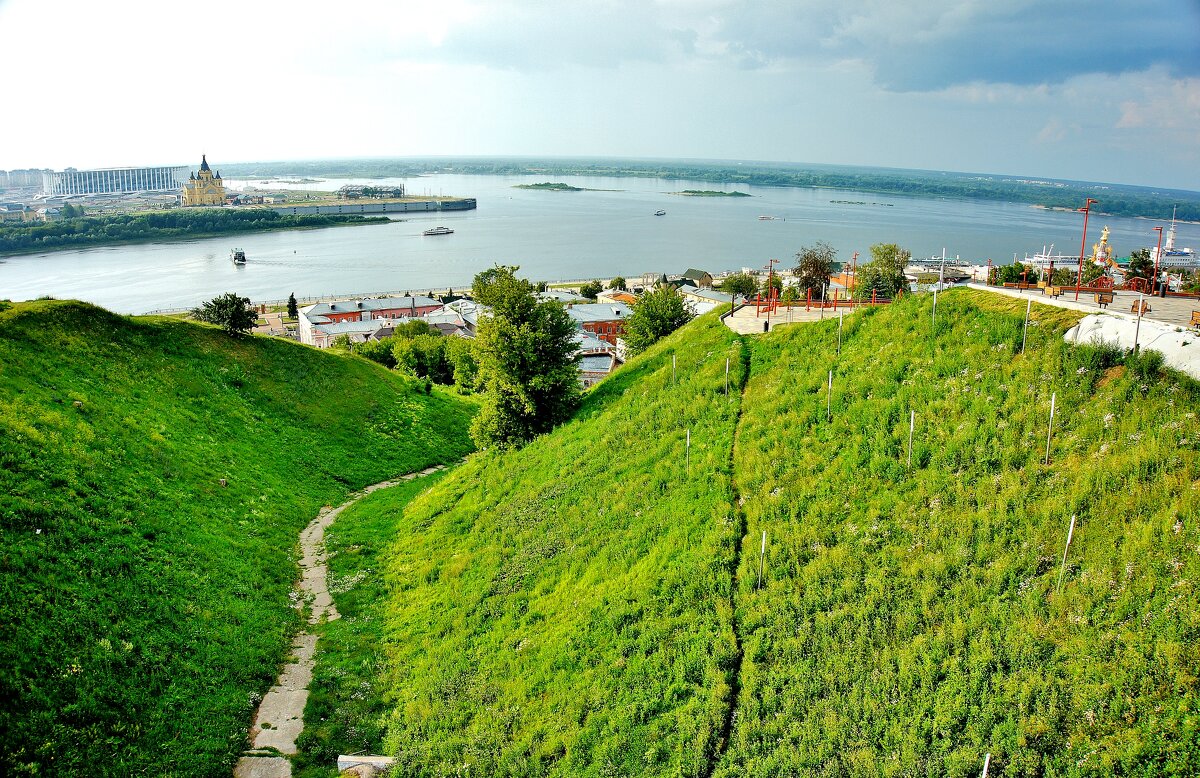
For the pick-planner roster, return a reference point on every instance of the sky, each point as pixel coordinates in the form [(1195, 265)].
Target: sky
[(1096, 90)]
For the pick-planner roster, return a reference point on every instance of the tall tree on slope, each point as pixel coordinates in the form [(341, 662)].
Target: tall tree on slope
[(526, 352)]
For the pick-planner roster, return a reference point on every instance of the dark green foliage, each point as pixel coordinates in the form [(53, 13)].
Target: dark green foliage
[(883, 276), (740, 284), (143, 604), (591, 289), (293, 310), (617, 283), (1140, 265), (525, 352), (425, 357), (381, 351), (229, 311), (564, 609), (655, 315), (1021, 273), (814, 266), (158, 225)]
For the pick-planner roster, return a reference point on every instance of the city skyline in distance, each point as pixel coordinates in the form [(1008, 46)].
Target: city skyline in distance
[(1054, 90)]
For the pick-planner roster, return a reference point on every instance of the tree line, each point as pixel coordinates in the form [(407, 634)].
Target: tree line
[(82, 231), (1115, 200)]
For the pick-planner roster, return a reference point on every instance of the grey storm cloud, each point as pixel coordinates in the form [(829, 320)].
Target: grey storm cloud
[(922, 46)]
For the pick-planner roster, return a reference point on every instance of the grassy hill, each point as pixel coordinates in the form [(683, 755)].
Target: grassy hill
[(586, 606), (911, 619), (566, 608), (154, 475)]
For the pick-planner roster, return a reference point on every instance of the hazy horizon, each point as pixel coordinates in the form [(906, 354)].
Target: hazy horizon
[(1104, 93)]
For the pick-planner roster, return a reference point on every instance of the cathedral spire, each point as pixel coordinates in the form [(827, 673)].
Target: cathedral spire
[(204, 162)]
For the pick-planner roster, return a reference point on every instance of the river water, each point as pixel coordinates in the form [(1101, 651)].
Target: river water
[(552, 236)]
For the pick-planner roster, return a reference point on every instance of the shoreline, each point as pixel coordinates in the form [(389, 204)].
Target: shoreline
[(193, 236)]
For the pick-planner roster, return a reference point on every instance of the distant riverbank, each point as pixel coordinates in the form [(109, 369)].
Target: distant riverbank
[(156, 227)]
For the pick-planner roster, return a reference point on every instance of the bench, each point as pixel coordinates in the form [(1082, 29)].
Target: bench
[(1053, 291), (1104, 299), (1195, 319), (1145, 307)]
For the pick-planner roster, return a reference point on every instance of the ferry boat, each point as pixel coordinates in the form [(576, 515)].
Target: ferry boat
[(237, 256), (1175, 258), (1046, 257), (438, 231), (660, 213)]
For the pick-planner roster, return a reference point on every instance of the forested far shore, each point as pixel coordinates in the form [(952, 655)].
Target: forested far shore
[(1114, 199), (85, 231)]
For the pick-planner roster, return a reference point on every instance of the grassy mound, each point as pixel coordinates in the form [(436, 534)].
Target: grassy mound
[(154, 475), (565, 609), (910, 620)]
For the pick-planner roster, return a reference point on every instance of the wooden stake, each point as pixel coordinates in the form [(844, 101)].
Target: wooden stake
[(1050, 431), (762, 555), (1138, 328), (987, 761), (688, 452), (829, 398), (839, 332), (726, 376), (912, 421), (1063, 569), (1025, 332), (672, 370), (935, 291)]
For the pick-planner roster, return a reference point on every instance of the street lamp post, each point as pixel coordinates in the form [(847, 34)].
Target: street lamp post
[(1157, 254), (1083, 246)]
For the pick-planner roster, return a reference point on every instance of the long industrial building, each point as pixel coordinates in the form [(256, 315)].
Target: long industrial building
[(115, 180)]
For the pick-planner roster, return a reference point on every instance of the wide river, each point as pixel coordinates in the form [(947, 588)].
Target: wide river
[(552, 236)]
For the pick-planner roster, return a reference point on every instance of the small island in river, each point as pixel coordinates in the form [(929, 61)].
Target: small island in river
[(710, 193), (559, 187)]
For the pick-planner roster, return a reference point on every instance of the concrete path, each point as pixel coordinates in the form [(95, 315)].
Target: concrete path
[(280, 716)]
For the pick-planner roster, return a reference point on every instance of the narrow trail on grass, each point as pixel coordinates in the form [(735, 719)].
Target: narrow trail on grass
[(735, 685), (279, 719)]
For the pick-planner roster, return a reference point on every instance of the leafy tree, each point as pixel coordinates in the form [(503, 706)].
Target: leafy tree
[(380, 351), (488, 282), (229, 311), (771, 281), (884, 273), (618, 283), (424, 357), (590, 289), (460, 356), (342, 343), (527, 361), (293, 310), (814, 266), (1140, 265), (740, 284), (1019, 273), (790, 294), (656, 315)]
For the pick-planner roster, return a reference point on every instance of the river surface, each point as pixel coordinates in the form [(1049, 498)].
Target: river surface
[(553, 236)]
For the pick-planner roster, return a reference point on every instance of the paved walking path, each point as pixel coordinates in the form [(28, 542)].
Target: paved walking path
[(280, 717)]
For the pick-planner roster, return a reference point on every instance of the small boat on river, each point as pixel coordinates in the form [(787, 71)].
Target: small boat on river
[(660, 213), (238, 256), (438, 231)]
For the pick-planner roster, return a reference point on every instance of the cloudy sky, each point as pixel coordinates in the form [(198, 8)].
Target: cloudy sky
[(1104, 90)]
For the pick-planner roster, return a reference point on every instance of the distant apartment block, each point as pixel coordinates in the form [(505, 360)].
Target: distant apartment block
[(21, 179), (124, 180)]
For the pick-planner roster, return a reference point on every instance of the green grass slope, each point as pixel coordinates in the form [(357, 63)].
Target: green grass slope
[(143, 605), (565, 609), (910, 620)]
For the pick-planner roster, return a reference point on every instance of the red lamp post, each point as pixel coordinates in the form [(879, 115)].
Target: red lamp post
[(1157, 254), (1083, 245)]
